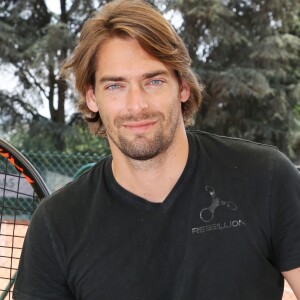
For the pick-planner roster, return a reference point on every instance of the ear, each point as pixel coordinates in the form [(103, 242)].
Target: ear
[(185, 91), (91, 99)]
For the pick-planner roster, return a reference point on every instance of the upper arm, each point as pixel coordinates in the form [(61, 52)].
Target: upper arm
[(40, 274), (285, 215), (293, 278), (286, 221)]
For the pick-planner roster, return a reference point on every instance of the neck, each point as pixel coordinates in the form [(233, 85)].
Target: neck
[(152, 179)]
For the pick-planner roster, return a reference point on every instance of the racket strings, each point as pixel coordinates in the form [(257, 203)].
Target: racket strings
[(17, 204)]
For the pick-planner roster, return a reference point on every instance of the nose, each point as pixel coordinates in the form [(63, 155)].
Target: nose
[(136, 99)]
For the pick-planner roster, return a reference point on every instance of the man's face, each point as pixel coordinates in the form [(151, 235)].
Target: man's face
[(138, 98)]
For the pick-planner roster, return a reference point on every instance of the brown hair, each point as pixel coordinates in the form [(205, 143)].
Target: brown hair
[(140, 21)]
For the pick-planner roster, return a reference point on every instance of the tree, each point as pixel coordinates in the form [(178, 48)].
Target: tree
[(247, 53), (33, 42)]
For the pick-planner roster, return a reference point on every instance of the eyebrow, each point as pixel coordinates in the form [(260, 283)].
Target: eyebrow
[(144, 76), (154, 74)]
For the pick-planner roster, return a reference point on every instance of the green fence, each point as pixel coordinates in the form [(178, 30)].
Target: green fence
[(57, 169)]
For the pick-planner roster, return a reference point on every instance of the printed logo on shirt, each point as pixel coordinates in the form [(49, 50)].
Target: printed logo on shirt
[(207, 214), (219, 226)]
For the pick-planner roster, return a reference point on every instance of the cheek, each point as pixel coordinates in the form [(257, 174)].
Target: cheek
[(167, 99), (174, 100), (108, 113)]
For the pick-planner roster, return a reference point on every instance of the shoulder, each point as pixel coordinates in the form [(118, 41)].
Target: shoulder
[(213, 140), (241, 157), (77, 194), (222, 148), (227, 153)]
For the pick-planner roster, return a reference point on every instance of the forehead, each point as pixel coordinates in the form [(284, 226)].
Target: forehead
[(125, 57)]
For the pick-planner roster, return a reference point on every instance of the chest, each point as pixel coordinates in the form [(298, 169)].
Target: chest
[(206, 239)]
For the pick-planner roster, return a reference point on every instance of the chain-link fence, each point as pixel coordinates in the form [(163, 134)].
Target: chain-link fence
[(57, 169)]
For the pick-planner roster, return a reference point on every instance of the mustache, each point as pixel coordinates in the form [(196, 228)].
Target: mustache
[(140, 117)]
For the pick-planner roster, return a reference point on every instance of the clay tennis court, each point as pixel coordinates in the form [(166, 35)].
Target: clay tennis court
[(11, 241)]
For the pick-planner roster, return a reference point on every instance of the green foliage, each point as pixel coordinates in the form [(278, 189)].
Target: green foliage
[(79, 139), (247, 53), (33, 42), (76, 138)]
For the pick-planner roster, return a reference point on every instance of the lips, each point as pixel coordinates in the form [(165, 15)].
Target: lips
[(139, 126)]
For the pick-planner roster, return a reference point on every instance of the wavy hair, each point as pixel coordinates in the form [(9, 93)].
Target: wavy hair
[(130, 19)]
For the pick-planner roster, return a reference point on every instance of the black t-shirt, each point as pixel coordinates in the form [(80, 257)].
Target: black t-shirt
[(227, 229)]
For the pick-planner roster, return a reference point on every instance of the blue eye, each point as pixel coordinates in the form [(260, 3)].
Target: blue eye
[(113, 86), (155, 82)]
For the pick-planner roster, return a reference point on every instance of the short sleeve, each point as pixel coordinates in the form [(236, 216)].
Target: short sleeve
[(285, 214), (40, 275)]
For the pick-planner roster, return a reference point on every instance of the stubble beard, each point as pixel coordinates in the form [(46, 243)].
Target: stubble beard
[(141, 147)]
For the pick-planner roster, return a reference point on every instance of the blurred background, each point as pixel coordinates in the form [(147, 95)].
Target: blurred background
[(245, 52)]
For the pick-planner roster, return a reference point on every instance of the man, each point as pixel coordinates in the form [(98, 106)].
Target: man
[(170, 214)]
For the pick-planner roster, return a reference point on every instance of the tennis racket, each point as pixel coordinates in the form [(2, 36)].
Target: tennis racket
[(21, 190)]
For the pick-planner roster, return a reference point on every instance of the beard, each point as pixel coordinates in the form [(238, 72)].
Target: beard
[(140, 146)]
